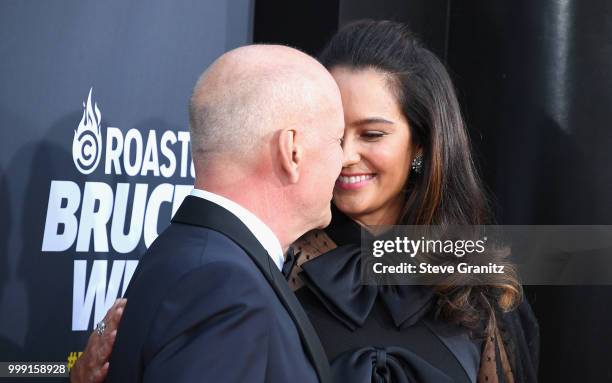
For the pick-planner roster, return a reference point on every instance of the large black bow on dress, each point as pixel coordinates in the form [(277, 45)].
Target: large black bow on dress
[(334, 277), (381, 365)]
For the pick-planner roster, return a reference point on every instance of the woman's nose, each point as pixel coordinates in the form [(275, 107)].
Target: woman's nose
[(350, 153)]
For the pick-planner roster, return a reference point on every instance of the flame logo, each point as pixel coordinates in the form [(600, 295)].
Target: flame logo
[(87, 142)]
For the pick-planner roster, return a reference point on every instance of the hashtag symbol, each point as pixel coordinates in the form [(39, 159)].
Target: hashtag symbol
[(72, 358)]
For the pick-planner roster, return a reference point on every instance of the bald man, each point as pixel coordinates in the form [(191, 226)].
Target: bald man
[(208, 301)]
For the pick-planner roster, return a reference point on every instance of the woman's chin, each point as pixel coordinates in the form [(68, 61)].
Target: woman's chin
[(350, 207)]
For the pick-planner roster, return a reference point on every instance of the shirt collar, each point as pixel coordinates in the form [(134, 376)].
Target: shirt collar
[(260, 230)]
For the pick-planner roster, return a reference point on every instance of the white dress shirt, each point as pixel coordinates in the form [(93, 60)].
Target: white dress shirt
[(260, 230)]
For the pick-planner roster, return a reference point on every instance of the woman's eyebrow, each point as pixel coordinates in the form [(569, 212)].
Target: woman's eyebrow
[(371, 120)]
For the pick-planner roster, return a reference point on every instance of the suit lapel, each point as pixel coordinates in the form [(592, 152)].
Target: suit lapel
[(309, 337), (200, 212)]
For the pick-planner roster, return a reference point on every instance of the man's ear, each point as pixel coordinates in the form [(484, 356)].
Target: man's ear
[(290, 154)]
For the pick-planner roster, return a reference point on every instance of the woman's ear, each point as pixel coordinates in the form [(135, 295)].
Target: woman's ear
[(290, 154)]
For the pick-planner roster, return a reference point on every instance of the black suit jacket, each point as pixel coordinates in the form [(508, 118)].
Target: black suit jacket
[(208, 304)]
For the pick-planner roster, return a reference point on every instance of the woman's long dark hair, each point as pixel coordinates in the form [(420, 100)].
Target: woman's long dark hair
[(449, 190)]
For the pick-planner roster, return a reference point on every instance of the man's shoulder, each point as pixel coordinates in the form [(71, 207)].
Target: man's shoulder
[(221, 281), (194, 269), (187, 246), (184, 249)]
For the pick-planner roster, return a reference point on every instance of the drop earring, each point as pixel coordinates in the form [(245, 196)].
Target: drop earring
[(417, 164)]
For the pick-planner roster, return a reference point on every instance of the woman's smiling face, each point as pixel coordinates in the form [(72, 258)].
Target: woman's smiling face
[(377, 147)]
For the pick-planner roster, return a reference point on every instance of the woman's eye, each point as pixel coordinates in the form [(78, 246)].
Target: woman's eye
[(372, 135)]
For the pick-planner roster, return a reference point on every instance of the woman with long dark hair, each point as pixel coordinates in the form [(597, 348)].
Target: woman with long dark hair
[(409, 163)]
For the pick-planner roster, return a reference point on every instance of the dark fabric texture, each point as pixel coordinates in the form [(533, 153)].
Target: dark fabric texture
[(389, 333)]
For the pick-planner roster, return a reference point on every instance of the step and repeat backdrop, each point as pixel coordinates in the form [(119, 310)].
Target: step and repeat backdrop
[(94, 152)]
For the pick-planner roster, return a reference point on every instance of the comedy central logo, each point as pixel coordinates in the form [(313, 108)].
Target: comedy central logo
[(112, 219), (87, 141)]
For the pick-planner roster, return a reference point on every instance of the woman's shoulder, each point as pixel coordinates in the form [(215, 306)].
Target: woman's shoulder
[(314, 242), (521, 326)]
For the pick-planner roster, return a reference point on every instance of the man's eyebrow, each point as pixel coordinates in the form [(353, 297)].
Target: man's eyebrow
[(371, 120)]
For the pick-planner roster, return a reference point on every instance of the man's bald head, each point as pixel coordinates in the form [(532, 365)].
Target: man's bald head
[(249, 93), (266, 128)]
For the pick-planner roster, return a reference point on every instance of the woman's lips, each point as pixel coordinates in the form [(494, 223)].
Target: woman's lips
[(352, 182)]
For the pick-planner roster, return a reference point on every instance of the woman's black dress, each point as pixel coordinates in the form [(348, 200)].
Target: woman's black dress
[(381, 333)]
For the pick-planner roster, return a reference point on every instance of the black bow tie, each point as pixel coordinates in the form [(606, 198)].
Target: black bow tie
[(335, 278)]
